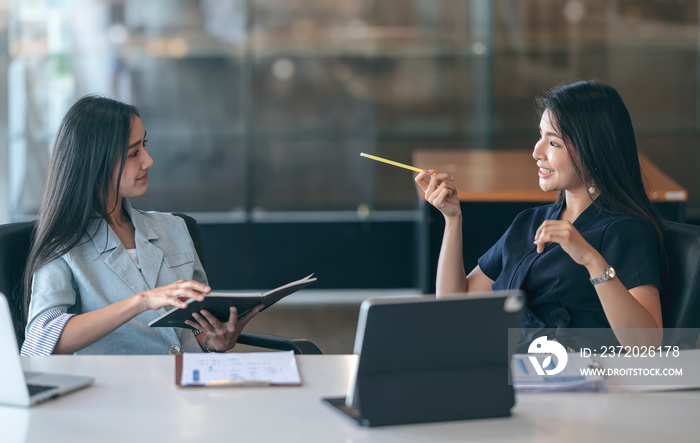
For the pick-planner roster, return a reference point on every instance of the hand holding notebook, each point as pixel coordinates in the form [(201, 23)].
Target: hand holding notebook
[(219, 303)]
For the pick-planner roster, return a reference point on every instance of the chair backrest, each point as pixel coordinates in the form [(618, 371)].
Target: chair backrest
[(15, 242), (680, 300), (195, 233)]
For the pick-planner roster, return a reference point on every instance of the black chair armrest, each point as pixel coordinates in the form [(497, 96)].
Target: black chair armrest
[(298, 345)]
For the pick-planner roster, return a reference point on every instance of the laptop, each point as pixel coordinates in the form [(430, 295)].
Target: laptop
[(423, 359), (21, 388)]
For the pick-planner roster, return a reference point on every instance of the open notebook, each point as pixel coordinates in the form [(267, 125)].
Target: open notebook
[(219, 303)]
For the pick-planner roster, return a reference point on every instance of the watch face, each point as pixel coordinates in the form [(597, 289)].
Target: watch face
[(611, 272)]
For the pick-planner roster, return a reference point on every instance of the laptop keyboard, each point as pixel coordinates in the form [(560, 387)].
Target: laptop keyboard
[(37, 389)]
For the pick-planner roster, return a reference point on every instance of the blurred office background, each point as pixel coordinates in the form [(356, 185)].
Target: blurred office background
[(257, 110)]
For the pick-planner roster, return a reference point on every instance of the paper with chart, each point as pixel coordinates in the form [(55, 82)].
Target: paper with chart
[(240, 369)]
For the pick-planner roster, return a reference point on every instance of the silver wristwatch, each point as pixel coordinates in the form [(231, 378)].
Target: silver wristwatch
[(609, 274)]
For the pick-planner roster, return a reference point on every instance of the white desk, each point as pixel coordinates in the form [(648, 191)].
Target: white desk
[(135, 399)]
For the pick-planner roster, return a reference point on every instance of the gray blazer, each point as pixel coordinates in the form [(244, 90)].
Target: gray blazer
[(99, 272)]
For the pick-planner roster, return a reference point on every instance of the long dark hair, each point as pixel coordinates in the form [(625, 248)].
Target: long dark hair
[(92, 140), (596, 126)]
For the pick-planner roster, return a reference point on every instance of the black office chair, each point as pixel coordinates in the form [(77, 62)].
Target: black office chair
[(680, 300), (15, 241)]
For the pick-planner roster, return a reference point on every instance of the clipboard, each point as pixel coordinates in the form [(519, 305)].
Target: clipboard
[(239, 369)]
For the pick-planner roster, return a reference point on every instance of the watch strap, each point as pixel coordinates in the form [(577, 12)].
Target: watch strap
[(609, 274)]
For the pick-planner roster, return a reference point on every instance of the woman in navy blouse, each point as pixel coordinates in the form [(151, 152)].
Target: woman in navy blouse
[(592, 260)]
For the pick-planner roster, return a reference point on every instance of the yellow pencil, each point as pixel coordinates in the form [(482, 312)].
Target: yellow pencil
[(390, 162)]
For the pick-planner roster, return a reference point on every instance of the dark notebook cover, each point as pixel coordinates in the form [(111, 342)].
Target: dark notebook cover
[(218, 303)]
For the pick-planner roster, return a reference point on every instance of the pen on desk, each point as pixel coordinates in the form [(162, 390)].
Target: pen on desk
[(390, 162)]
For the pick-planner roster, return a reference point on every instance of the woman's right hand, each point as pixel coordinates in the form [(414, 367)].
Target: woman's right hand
[(174, 294), (439, 192)]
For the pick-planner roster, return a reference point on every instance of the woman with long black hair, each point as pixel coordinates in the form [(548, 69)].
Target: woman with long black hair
[(592, 260), (100, 270)]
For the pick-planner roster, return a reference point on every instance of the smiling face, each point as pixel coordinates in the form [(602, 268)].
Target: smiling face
[(134, 177), (557, 171)]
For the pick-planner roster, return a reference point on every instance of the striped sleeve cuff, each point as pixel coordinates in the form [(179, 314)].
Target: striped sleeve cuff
[(43, 336)]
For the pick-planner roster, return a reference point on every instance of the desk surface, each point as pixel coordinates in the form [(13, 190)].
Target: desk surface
[(511, 176), (135, 399)]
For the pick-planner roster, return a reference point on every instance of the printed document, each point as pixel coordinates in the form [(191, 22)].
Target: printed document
[(240, 369)]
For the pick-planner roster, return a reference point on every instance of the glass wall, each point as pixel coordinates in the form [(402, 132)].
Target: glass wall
[(263, 106), (252, 105)]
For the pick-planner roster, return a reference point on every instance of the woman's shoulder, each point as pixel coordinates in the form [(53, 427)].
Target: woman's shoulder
[(165, 226), (160, 219), (613, 217), (628, 232), (625, 223)]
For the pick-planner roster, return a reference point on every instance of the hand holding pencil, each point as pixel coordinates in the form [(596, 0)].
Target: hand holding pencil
[(438, 190)]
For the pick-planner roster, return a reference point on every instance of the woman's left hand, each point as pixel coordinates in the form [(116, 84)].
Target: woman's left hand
[(571, 241), (222, 336)]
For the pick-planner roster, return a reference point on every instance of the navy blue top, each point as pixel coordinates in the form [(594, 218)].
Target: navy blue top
[(559, 293)]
